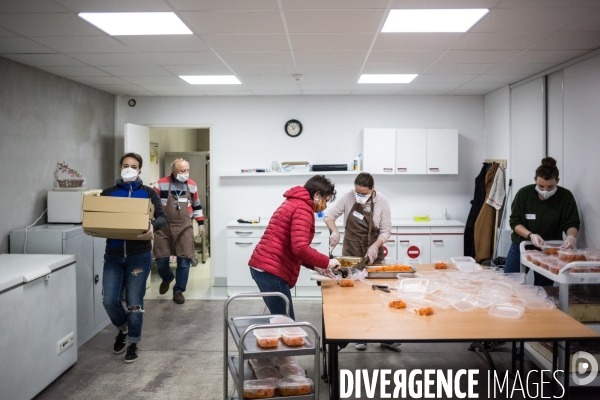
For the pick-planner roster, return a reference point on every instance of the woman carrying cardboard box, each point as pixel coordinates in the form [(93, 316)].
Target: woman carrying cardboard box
[(127, 263)]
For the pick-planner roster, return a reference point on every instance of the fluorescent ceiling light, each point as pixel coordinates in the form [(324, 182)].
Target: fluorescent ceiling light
[(137, 23), (386, 78), (211, 79), (450, 20)]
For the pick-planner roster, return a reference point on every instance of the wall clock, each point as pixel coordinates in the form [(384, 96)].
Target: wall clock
[(293, 128)]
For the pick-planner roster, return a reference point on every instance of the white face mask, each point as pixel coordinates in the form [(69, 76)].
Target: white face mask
[(182, 177), (129, 174), (361, 198), (545, 193)]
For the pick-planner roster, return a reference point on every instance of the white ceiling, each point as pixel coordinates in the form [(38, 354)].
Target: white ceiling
[(330, 42)]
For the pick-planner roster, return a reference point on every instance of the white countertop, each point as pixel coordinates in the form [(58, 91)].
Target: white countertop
[(396, 222)]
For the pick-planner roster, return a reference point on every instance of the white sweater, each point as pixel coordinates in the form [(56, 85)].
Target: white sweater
[(382, 217)]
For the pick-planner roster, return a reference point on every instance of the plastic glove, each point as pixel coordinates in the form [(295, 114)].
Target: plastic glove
[(334, 264), (334, 239), (569, 243), (148, 233), (372, 252), (325, 272), (537, 240), (200, 231)]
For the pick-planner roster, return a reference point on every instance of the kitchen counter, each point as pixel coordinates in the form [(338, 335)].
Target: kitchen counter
[(395, 222)]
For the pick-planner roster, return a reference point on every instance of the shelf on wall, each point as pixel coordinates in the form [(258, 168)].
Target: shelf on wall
[(285, 174)]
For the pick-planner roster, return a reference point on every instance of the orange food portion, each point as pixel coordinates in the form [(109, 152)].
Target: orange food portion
[(391, 268), (424, 311), (346, 283), (551, 250), (267, 343), (295, 391), (398, 304), (441, 265), (259, 393), (293, 341)]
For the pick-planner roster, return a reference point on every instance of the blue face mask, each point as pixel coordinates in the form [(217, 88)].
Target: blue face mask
[(361, 198)]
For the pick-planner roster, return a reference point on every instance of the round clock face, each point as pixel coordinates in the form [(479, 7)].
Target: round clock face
[(293, 128)]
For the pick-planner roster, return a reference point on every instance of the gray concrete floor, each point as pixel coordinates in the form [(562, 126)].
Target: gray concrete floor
[(180, 357)]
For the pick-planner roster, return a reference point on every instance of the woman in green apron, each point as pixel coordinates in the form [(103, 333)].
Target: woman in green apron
[(367, 221)]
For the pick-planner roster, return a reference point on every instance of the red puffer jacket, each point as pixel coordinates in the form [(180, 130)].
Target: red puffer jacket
[(285, 244)]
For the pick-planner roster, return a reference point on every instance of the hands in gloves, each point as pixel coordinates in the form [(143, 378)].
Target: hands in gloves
[(333, 264), (569, 243), (200, 231), (537, 240), (148, 233), (372, 252), (334, 239), (325, 272)]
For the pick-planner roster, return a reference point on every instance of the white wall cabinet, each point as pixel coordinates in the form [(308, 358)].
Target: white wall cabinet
[(379, 151), (446, 242), (241, 242), (410, 151)]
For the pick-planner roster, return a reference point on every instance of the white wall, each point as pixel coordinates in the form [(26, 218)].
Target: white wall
[(555, 139), (248, 132), (497, 123), (45, 119), (581, 144), (170, 139)]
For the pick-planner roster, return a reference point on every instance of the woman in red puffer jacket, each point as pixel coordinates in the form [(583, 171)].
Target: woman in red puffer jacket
[(285, 245)]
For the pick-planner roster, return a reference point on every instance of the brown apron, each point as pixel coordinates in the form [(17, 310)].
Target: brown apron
[(360, 233), (177, 236)]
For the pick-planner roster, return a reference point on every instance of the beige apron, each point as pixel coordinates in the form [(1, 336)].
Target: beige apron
[(357, 237), (177, 236)]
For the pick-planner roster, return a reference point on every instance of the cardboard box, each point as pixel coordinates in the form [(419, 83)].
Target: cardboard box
[(116, 217)]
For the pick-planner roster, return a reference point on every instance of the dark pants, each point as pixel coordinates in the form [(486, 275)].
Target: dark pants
[(181, 273), (270, 283), (513, 264)]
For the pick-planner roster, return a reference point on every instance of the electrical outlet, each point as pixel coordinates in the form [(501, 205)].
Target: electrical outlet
[(66, 342)]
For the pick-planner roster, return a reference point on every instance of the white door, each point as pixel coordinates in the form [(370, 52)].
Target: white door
[(411, 151), (239, 251), (137, 140), (379, 151), (442, 151), (446, 245)]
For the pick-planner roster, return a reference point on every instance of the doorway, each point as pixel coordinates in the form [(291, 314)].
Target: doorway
[(163, 145)]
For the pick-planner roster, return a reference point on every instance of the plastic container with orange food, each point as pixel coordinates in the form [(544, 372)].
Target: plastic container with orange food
[(545, 262), (571, 255), (440, 263), (592, 255), (260, 389), (580, 270), (555, 267), (531, 253), (267, 338), (551, 249), (347, 282), (294, 386), (535, 259), (293, 336)]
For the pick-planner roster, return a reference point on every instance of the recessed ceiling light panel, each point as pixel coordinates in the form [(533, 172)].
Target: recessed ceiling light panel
[(137, 23), (211, 79), (433, 20), (386, 78)]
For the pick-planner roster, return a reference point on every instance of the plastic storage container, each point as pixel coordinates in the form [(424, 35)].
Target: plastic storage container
[(539, 304), (258, 389), (465, 305), (291, 370), (281, 320), (536, 259), (267, 373), (440, 263), (531, 292), (295, 386), (280, 361), (506, 310), (261, 362), (571, 255), (349, 281), (531, 253), (545, 262), (551, 249), (467, 267), (293, 336), (415, 287), (267, 338), (455, 260)]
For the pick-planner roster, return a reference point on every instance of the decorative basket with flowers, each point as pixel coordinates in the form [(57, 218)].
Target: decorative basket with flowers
[(67, 177)]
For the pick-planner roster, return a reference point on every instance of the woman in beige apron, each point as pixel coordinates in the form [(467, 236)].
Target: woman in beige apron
[(176, 238), (360, 233)]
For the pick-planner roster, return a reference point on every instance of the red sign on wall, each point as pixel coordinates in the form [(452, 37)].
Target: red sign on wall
[(413, 252), (385, 252)]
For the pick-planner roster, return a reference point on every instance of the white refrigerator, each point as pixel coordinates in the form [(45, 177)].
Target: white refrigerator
[(37, 316)]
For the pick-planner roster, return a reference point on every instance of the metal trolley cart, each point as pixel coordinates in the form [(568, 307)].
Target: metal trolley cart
[(241, 327), (564, 278)]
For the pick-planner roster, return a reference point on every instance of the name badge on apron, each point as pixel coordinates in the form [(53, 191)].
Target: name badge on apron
[(182, 200), (529, 216), (358, 215)]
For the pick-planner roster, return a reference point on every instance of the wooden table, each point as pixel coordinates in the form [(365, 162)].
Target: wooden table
[(370, 320)]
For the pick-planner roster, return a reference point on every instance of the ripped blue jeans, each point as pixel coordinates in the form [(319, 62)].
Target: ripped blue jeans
[(129, 273)]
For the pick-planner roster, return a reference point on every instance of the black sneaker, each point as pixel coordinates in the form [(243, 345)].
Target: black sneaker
[(491, 346), (120, 342), (132, 353)]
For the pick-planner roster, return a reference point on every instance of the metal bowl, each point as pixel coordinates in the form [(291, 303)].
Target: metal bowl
[(353, 260)]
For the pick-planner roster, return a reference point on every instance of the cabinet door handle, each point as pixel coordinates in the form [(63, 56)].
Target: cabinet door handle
[(318, 233), (315, 243), (243, 243), (438, 241), (388, 169), (434, 169), (244, 233), (402, 169), (390, 241), (405, 241), (96, 278)]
